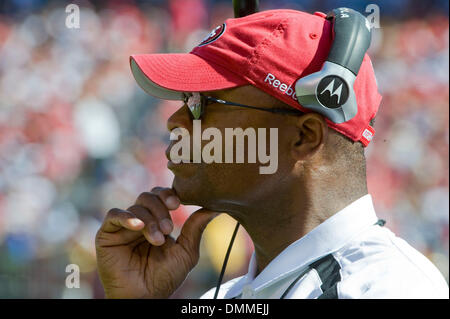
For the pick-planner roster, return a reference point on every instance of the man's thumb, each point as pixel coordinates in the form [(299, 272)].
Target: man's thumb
[(192, 230)]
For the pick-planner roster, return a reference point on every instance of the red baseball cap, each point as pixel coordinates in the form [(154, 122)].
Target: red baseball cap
[(270, 50)]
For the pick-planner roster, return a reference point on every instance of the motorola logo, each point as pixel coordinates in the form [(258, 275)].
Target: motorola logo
[(332, 92)]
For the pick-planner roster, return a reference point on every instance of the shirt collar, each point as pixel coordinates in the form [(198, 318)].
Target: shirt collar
[(326, 238)]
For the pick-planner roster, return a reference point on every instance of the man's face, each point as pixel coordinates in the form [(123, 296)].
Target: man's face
[(224, 186)]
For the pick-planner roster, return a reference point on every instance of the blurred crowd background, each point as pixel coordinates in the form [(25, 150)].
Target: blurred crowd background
[(78, 136)]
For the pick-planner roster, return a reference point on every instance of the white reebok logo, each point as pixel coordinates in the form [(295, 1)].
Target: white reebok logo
[(337, 92), (283, 87)]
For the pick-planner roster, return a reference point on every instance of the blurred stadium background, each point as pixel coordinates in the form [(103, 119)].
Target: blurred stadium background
[(78, 136)]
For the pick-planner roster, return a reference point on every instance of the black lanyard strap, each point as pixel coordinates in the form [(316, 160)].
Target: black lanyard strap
[(329, 272)]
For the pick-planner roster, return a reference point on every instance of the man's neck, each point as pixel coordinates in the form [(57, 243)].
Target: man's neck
[(274, 226)]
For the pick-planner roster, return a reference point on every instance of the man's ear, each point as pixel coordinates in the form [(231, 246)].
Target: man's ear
[(312, 134)]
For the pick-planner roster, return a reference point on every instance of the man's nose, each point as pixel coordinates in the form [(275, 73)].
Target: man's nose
[(181, 118)]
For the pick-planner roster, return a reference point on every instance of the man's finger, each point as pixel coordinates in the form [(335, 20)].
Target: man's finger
[(117, 219), (151, 231), (168, 197), (154, 204), (193, 228)]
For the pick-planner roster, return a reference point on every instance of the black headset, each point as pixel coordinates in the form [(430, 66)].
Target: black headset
[(330, 90)]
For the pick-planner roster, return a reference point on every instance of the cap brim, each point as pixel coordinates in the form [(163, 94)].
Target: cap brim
[(169, 76)]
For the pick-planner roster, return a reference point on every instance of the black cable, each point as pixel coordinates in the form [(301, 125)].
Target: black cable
[(226, 260), (295, 281), (241, 9), (244, 8)]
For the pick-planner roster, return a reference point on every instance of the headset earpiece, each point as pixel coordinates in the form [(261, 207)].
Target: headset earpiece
[(330, 90)]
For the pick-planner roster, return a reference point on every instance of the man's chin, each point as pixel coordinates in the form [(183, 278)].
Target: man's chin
[(189, 192)]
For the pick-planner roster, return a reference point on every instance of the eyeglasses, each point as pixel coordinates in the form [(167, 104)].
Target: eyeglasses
[(197, 104)]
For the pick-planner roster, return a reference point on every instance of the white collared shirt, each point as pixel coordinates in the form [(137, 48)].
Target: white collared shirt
[(349, 255)]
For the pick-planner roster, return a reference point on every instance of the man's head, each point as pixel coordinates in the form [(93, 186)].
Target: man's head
[(255, 61), (307, 149)]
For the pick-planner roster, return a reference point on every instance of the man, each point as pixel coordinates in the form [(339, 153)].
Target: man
[(312, 222)]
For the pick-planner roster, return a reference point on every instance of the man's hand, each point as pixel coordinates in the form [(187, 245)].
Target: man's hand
[(137, 258)]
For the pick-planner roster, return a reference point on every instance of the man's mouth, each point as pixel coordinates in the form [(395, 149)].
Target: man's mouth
[(179, 159)]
